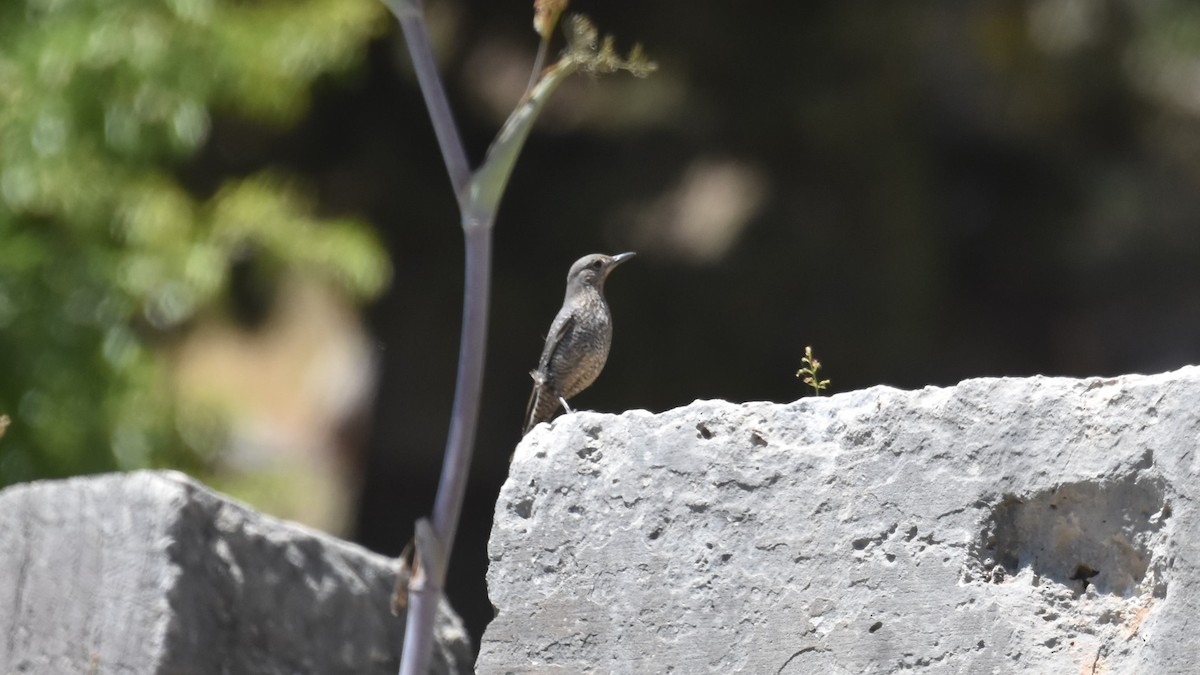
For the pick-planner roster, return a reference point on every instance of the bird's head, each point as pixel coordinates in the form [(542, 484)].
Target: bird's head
[(592, 270)]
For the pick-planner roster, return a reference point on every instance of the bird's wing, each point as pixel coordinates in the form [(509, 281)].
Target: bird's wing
[(563, 324), (533, 400)]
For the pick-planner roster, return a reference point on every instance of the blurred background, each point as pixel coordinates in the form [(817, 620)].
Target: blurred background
[(228, 244)]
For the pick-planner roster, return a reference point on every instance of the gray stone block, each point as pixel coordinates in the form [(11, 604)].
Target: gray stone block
[(1039, 525), (151, 572)]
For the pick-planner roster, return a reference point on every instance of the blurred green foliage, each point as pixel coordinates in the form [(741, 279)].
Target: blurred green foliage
[(102, 252)]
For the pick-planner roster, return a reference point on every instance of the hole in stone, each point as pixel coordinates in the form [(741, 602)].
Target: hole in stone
[(1083, 573), (704, 432), (875, 626), (523, 508), (1091, 533), (655, 534), (757, 440)]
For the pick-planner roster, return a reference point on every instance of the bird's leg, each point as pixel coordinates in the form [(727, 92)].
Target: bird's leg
[(566, 407)]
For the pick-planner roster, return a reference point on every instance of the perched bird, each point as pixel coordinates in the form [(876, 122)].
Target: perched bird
[(578, 341)]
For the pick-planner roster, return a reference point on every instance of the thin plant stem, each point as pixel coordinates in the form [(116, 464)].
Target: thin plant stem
[(425, 597), (418, 630), (468, 385), (420, 50), (423, 600), (539, 62)]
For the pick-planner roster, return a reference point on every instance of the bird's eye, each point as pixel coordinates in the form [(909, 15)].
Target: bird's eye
[(597, 263)]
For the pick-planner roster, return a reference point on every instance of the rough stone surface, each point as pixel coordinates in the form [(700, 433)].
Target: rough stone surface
[(1039, 525), (151, 572)]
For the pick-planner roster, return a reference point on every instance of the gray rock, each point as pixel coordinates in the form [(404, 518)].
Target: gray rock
[(1040, 525), (151, 572)]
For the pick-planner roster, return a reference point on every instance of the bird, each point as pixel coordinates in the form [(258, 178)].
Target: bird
[(578, 342)]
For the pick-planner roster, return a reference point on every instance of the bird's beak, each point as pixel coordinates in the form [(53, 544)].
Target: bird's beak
[(620, 258)]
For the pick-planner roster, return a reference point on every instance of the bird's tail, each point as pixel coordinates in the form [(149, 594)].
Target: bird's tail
[(542, 403)]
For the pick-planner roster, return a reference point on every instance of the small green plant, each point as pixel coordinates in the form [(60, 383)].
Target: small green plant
[(809, 372)]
